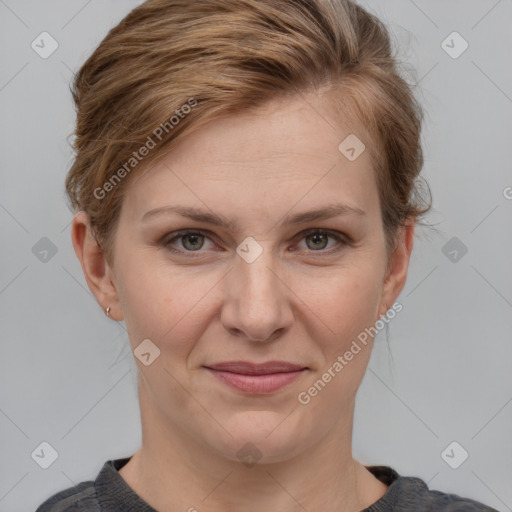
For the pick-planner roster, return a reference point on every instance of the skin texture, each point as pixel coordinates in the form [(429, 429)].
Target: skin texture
[(292, 303)]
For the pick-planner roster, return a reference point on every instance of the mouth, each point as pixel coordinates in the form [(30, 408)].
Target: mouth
[(257, 378)]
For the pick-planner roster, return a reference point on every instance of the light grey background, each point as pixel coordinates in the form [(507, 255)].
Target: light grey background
[(67, 374)]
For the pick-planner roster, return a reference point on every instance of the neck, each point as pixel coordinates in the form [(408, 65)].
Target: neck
[(173, 470)]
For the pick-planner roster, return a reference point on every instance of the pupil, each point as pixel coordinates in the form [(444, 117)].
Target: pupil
[(194, 239), (318, 237)]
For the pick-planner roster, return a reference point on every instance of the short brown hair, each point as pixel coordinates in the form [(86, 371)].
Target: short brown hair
[(222, 56)]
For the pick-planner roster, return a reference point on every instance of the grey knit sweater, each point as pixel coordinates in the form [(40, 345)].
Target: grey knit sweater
[(110, 493)]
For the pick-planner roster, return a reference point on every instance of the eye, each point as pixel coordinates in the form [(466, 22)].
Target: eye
[(190, 241), (317, 240)]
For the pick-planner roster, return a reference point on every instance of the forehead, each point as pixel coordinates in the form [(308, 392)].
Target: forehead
[(273, 157)]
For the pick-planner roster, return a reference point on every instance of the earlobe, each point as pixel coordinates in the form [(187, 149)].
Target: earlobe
[(94, 265)]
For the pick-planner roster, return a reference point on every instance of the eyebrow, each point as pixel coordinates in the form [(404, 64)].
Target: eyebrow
[(199, 215)]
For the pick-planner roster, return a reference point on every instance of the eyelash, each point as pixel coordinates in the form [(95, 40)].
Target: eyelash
[(180, 234)]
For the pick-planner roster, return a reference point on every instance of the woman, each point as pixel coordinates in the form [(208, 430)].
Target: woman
[(245, 188)]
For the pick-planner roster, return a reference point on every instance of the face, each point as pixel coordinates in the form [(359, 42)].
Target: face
[(254, 278)]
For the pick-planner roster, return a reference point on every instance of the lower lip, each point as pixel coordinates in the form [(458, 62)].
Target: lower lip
[(257, 384)]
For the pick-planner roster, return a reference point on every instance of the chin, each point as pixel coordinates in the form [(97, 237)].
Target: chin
[(262, 437)]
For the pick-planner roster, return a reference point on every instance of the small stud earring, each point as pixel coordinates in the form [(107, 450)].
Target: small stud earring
[(107, 311)]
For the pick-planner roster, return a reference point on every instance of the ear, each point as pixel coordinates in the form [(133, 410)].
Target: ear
[(397, 267), (97, 272)]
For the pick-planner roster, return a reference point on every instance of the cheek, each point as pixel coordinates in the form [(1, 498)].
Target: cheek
[(346, 306), (167, 305), (345, 300)]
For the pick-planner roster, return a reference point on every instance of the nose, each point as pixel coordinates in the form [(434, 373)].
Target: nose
[(257, 300)]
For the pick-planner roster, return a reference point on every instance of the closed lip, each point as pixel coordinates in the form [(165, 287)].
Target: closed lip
[(249, 368)]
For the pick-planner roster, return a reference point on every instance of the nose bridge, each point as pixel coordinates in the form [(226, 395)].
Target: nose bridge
[(256, 302), (258, 279)]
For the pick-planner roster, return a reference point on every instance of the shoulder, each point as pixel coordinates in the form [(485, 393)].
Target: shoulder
[(107, 490), (411, 493), (425, 499), (79, 498)]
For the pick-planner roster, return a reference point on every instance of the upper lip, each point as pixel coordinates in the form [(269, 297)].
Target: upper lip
[(248, 368)]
